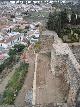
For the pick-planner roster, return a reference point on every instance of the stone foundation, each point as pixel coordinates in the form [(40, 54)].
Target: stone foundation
[(64, 62)]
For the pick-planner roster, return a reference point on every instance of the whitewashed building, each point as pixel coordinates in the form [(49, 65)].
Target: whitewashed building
[(10, 40)]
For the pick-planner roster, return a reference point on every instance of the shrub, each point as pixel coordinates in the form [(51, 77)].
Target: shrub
[(15, 84), (37, 46), (13, 53)]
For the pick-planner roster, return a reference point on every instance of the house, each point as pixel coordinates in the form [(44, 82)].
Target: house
[(33, 40), (10, 40)]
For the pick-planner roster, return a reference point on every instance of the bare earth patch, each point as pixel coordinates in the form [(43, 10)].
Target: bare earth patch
[(48, 89), (23, 99)]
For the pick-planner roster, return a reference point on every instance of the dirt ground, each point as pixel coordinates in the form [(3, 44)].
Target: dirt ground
[(48, 88), (46, 44), (23, 97)]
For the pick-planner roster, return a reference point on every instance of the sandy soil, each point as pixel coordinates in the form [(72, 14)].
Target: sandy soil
[(48, 88), (22, 98)]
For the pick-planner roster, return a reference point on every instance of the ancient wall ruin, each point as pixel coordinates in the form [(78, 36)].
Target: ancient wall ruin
[(63, 62)]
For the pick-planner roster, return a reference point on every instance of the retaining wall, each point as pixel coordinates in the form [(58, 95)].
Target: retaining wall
[(64, 62)]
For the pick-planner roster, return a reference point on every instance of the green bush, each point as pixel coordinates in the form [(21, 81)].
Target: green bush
[(14, 56), (7, 63), (15, 84), (16, 49), (37, 46), (19, 47), (8, 95), (72, 37)]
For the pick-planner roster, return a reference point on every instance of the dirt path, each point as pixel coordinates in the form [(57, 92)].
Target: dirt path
[(34, 82), (26, 91), (47, 87), (4, 83)]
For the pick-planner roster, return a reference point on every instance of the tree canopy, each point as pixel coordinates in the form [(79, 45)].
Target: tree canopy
[(57, 21)]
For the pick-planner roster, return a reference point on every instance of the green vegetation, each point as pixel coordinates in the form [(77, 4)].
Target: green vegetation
[(73, 35), (73, 18), (37, 46), (20, 30), (57, 21), (15, 84), (7, 63), (33, 16), (16, 49), (66, 29), (13, 56)]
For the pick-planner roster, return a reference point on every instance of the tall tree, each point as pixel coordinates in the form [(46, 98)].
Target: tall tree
[(24, 1), (50, 23), (73, 18), (57, 21), (63, 18), (78, 20)]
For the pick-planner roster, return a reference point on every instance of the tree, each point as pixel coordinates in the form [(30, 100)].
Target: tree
[(63, 18), (57, 21), (58, 24), (24, 2), (12, 16), (19, 47), (12, 52), (73, 18), (32, 2), (16, 49), (42, 1), (50, 23), (78, 20)]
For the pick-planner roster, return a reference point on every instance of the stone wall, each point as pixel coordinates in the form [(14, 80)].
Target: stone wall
[(64, 62)]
